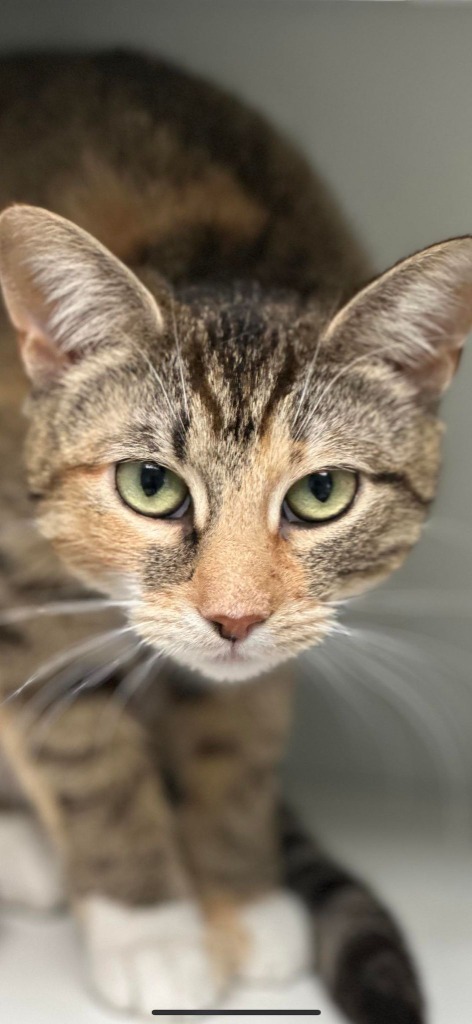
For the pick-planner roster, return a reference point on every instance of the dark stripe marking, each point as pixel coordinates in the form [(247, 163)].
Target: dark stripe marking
[(402, 481), (12, 637), (214, 746), (198, 373), (375, 980)]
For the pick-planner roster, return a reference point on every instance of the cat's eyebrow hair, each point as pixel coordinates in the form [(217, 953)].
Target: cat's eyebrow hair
[(199, 384), (282, 385), (400, 480), (179, 438)]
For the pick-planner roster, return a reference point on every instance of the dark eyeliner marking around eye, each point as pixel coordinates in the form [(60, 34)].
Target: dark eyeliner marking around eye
[(400, 480)]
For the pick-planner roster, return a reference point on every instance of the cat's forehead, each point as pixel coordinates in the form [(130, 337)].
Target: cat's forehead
[(222, 382), (223, 387), (240, 374), (239, 364)]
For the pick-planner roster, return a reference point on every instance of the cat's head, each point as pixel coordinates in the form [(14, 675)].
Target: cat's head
[(233, 465)]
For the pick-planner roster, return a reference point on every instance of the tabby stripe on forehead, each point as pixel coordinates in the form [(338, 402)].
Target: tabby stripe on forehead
[(401, 481), (179, 438), (282, 385), (198, 375)]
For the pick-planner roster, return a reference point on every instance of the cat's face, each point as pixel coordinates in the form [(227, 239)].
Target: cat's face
[(232, 468)]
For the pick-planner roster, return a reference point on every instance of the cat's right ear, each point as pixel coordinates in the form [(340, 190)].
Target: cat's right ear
[(416, 316), (66, 294)]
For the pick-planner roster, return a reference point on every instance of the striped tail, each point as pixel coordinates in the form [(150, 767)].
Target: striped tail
[(361, 955)]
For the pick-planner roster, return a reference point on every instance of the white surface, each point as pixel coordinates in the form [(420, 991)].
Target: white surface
[(424, 876), (30, 875)]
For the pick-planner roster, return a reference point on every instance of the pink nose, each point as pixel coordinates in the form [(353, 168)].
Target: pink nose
[(235, 629)]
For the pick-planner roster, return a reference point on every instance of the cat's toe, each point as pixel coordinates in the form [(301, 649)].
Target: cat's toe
[(150, 959), (30, 873), (279, 938)]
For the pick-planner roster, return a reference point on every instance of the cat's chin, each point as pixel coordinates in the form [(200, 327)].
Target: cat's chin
[(221, 671)]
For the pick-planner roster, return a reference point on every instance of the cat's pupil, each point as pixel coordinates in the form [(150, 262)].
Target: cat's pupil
[(152, 479), (321, 485)]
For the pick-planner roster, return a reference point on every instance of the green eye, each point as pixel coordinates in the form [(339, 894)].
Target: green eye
[(150, 489), (322, 496)]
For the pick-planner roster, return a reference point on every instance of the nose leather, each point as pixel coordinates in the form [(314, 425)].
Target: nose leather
[(236, 628)]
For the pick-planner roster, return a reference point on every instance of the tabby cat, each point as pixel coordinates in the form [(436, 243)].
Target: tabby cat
[(227, 432)]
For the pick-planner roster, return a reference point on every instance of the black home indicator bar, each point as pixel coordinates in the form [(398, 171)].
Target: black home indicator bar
[(240, 1013)]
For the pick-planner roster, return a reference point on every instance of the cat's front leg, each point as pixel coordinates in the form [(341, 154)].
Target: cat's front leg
[(223, 748), (99, 797)]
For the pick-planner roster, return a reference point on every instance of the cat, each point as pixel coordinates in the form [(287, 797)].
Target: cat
[(228, 426)]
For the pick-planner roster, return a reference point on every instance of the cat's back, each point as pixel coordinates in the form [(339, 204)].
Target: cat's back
[(164, 168)]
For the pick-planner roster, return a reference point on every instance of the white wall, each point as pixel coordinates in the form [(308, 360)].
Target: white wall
[(379, 96)]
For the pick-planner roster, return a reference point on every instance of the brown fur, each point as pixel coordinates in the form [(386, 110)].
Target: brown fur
[(129, 221)]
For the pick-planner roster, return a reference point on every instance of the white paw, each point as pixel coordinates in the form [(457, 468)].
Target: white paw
[(149, 959), (280, 938), (30, 873)]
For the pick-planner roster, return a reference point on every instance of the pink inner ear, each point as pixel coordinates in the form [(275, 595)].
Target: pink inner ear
[(42, 359), (64, 292), (421, 309), (436, 375)]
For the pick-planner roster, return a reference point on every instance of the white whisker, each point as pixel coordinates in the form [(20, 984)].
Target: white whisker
[(93, 678), (393, 640), (65, 657), (158, 378), (442, 739), (53, 608), (308, 379), (312, 365), (127, 689), (366, 356), (179, 359), (437, 737), (420, 602), (337, 680)]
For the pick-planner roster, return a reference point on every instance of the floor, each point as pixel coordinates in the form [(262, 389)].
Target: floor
[(421, 864)]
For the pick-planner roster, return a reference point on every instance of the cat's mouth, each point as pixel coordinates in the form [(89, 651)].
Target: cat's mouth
[(191, 642), (235, 668), (233, 654), (236, 661), (233, 649)]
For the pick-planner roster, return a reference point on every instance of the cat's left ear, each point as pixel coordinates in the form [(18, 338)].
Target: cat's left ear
[(416, 316), (66, 294)]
